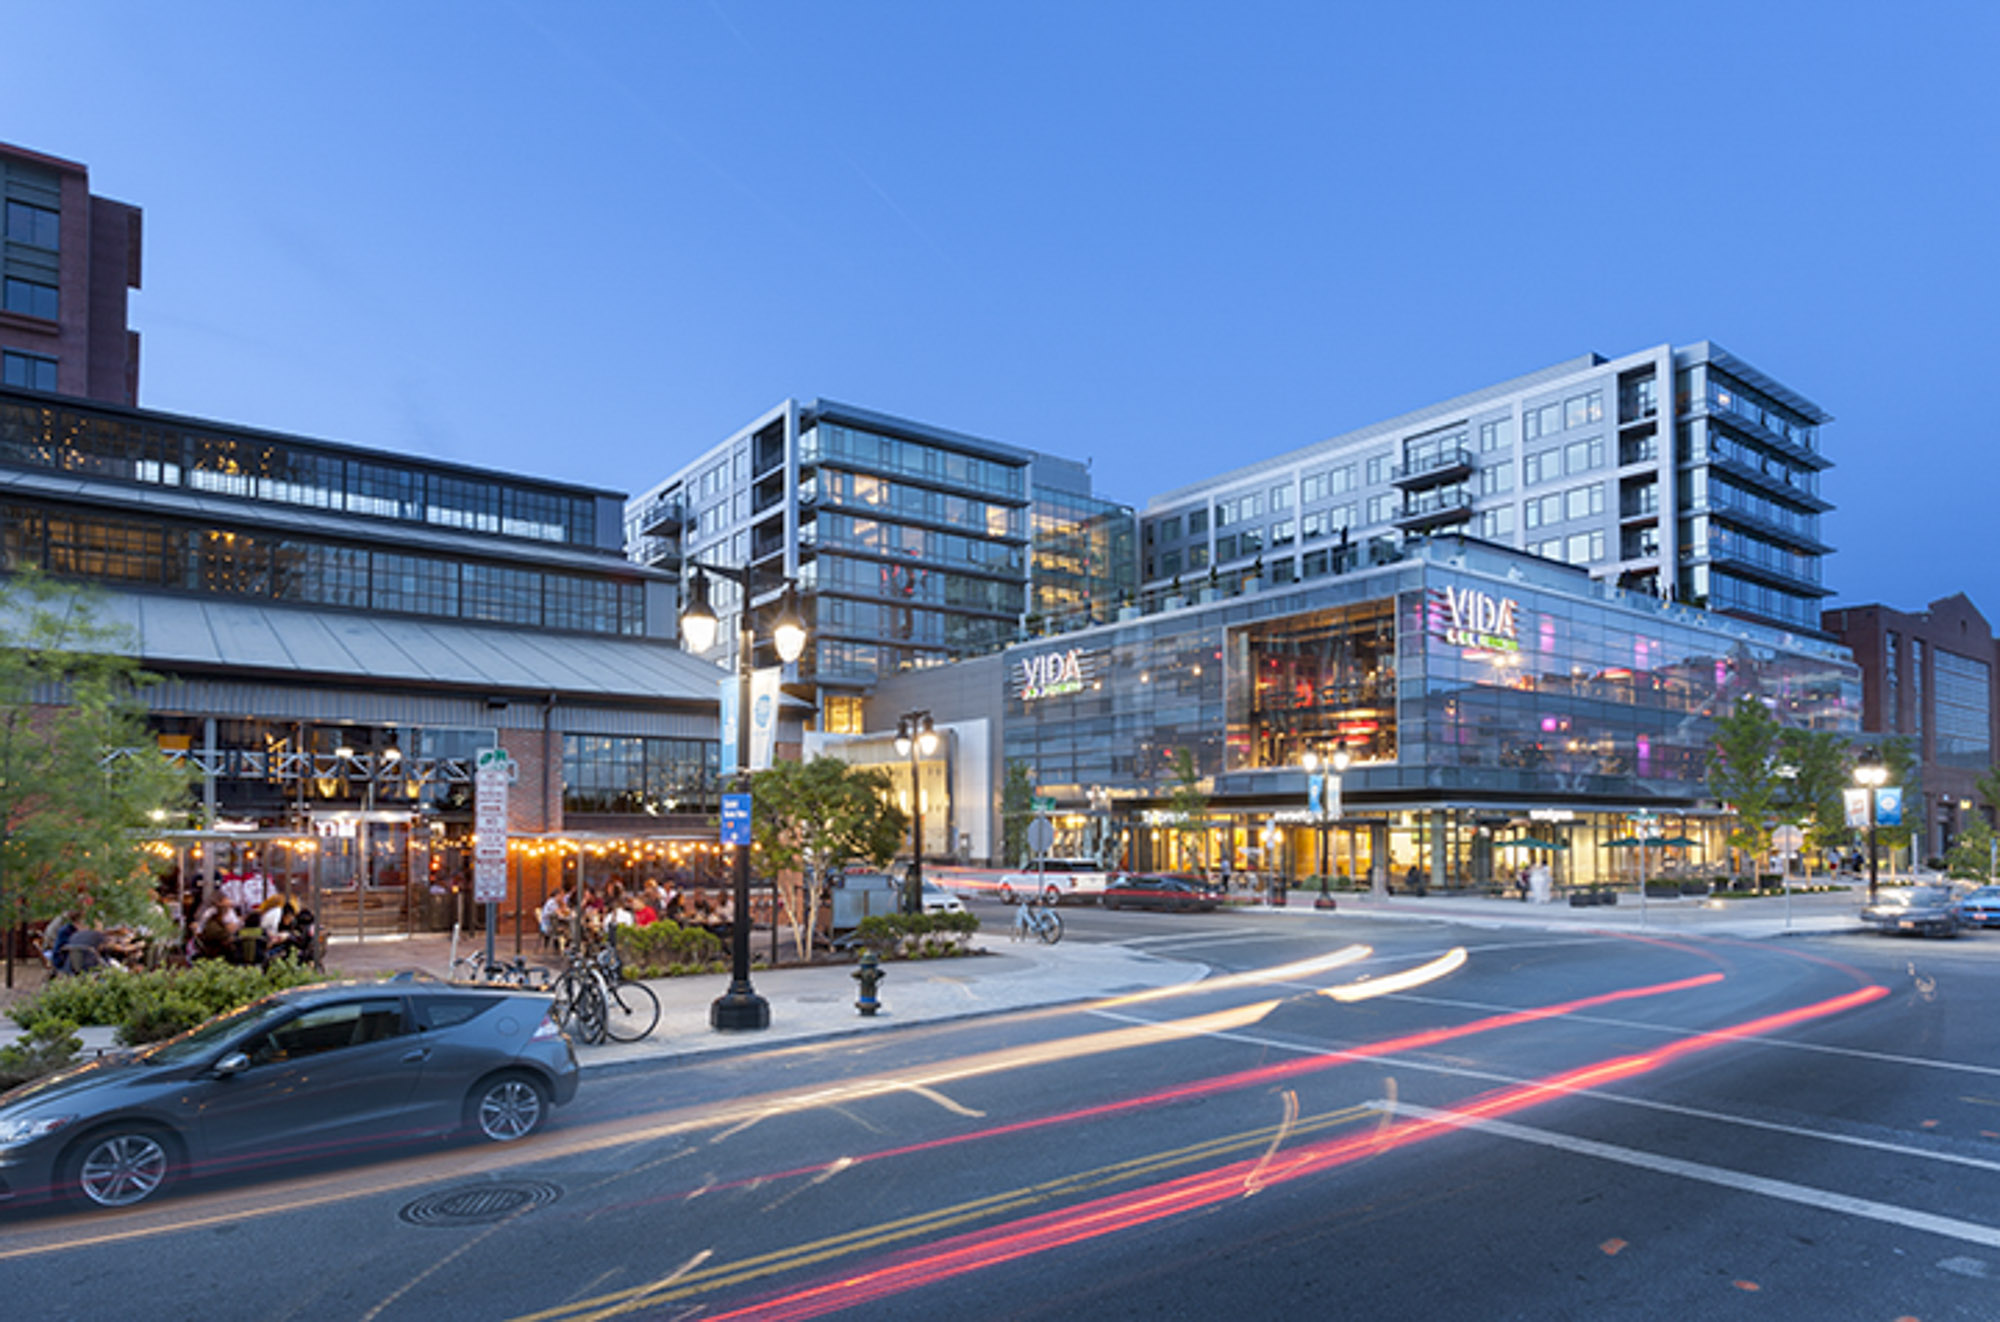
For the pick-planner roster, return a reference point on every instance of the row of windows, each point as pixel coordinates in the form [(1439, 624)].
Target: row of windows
[(640, 774), (1325, 485), (1558, 506), (1963, 692), (216, 562), (1726, 396), (28, 371), (1564, 461), (917, 583), (75, 441), (1576, 411), (1722, 445), (1727, 592), (1421, 452), (1726, 495), (30, 298), (865, 491), (831, 442), (897, 539), (912, 624), (1583, 548), (38, 227)]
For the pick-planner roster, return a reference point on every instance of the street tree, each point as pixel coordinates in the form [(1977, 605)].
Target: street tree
[(1820, 769), (1187, 804), (1017, 809), (82, 783), (1971, 855), (817, 817), (1743, 772)]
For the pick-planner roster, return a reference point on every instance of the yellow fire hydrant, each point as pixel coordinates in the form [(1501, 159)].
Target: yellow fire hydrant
[(870, 976)]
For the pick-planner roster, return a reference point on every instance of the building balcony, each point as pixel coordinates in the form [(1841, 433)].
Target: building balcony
[(1768, 528), (1772, 486), (1450, 465), (668, 558), (1437, 510), (1745, 566), (663, 518)]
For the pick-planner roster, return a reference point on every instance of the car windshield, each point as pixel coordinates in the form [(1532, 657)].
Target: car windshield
[(197, 1041), (1922, 897)]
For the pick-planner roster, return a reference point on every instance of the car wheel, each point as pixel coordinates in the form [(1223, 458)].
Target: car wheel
[(120, 1167), (1051, 896), (506, 1108), (1006, 893)]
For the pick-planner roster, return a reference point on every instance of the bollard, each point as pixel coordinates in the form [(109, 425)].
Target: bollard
[(869, 975)]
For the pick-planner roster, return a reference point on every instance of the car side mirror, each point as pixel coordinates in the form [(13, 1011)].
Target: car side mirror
[(232, 1064)]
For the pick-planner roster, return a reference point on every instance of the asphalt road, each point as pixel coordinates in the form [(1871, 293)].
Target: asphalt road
[(1558, 1125)]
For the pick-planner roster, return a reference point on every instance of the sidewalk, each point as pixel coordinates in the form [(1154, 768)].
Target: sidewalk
[(808, 1004)]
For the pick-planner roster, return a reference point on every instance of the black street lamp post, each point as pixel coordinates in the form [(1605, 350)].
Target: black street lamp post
[(916, 739), (741, 1008)]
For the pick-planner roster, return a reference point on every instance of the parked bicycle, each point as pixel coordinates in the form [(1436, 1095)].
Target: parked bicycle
[(1037, 920), (596, 1001), (516, 972)]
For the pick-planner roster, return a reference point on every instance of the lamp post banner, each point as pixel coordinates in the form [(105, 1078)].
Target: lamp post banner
[(1315, 784), (728, 715), (763, 717), (1856, 804), (1889, 806)]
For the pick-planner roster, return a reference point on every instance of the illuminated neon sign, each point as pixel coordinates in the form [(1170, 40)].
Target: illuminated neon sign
[(1467, 617), (1051, 675)]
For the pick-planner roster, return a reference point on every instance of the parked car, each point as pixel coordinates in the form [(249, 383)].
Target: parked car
[(307, 1072), (1913, 910), (1167, 891), (1981, 908), (1057, 881)]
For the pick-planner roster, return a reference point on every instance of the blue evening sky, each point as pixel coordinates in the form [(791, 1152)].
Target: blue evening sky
[(585, 239)]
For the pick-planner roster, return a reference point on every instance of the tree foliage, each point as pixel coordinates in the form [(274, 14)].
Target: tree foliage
[(1810, 797), (1742, 771), (1187, 804), (1017, 809), (1971, 854), (81, 782), (818, 816)]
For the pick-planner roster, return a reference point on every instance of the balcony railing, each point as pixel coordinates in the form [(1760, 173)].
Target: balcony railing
[(1447, 465)]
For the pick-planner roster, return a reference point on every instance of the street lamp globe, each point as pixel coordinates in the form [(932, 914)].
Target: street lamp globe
[(698, 622), (1340, 759), (788, 632)]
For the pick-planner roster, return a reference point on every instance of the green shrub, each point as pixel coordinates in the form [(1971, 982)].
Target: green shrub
[(142, 1004), (918, 935), (668, 949), (46, 1048)]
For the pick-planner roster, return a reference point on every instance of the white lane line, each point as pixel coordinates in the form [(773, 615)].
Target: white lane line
[(1592, 1094), (1970, 1232), (1879, 1057)]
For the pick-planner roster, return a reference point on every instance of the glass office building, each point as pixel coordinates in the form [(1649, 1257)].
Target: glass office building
[(1498, 709)]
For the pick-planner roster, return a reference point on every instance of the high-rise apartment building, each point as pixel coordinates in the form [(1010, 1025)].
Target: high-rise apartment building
[(910, 543), (67, 259), (1684, 472), (1081, 557)]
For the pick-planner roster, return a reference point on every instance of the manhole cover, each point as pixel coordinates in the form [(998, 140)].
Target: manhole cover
[(480, 1204)]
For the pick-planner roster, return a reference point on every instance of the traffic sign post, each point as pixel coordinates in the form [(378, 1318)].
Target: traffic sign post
[(495, 771)]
